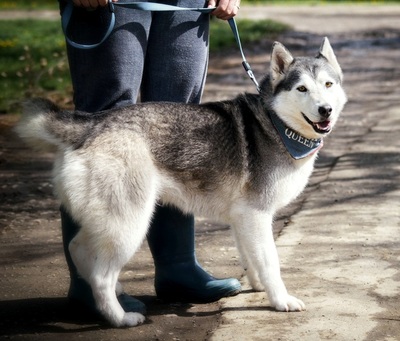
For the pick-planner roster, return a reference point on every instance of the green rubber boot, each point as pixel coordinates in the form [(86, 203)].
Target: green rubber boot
[(179, 277)]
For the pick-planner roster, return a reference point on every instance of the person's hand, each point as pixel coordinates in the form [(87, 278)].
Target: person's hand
[(226, 9), (92, 4)]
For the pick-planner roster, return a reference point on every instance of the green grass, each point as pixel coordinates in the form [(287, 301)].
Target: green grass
[(28, 4), (249, 30), (33, 59)]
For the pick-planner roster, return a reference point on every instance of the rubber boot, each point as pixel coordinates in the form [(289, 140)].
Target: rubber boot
[(178, 275), (80, 292)]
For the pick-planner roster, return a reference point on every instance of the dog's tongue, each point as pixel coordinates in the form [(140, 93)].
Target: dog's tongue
[(325, 125)]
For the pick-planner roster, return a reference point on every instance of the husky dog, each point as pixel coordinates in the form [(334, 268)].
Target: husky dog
[(237, 161)]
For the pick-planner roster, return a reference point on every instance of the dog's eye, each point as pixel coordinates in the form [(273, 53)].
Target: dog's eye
[(302, 88), (328, 84)]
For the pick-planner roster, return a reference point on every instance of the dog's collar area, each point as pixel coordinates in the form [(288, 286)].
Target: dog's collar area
[(298, 146)]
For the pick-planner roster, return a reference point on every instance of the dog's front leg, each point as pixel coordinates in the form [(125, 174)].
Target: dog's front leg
[(253, 233)]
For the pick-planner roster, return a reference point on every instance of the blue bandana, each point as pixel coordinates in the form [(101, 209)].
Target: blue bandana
[(298, 146)]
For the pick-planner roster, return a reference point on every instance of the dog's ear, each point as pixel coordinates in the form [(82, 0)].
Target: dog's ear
[(281, 58), (327, 52)]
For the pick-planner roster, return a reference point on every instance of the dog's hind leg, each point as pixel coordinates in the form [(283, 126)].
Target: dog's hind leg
[(107, 240), (103, 283), (253, 230), (100, 264), (113, 204)]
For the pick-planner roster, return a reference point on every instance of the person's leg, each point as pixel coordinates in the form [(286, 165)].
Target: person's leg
[(103, 77), (109, 75), (177, 56), (175, 71)]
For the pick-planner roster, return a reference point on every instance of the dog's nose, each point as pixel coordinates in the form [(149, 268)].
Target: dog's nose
[(325, 111)]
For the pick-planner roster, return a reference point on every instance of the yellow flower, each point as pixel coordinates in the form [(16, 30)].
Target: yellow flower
[(7, 43)]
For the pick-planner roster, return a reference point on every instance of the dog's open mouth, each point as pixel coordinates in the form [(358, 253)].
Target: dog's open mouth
[(322, 127)]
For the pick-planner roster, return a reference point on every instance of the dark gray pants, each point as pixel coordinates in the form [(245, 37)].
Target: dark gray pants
[(161, 55)]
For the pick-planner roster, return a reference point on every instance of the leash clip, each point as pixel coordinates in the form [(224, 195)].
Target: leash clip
[(250, 73)]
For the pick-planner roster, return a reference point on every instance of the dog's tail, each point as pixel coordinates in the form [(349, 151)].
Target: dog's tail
[(44, 125)]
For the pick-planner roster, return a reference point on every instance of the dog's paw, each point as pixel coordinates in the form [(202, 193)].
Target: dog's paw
[(132, 320), (289, 303)]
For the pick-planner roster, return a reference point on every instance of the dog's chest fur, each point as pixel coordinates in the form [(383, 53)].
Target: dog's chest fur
[(290, 186)]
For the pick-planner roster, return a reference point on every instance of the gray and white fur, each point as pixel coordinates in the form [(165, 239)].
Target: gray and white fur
[(223, 160)]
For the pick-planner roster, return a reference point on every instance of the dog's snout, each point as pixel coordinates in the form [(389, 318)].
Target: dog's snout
[(325, 111)]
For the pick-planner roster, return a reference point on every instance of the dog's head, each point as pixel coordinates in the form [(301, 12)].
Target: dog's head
[(307, 92)]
